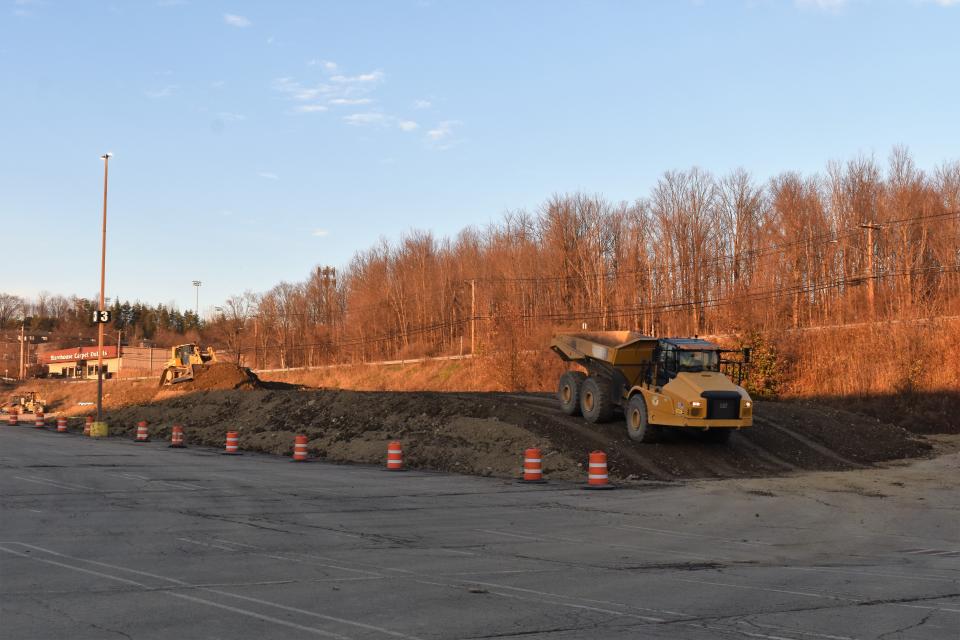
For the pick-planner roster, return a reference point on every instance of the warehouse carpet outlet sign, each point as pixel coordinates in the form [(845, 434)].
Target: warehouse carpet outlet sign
[(75, 354)]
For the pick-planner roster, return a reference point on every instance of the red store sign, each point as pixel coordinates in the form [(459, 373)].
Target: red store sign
[(72, 355)]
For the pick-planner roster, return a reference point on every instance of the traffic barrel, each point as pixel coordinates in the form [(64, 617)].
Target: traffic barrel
[(233, 444), (61, 424), (532, 467), (12, 419), (176, 437), (38, 420), (597, 477), (299, 449), (395, 456), (143, 435), (86, 425)]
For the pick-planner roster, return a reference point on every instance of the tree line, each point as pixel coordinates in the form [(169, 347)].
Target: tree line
[(699, 254)]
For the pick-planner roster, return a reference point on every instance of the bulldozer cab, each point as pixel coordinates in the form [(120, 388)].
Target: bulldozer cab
[(184, 353)]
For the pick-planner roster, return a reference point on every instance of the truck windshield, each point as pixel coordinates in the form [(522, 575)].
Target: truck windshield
[(698, 361)]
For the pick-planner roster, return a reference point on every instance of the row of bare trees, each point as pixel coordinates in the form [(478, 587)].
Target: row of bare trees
[(701, 254)]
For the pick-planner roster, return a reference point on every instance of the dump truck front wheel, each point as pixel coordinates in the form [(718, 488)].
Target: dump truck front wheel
[(638, 425), (569, 392), (596, 403)]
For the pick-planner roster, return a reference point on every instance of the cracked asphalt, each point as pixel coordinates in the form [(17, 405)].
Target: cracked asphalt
[(112, 539)]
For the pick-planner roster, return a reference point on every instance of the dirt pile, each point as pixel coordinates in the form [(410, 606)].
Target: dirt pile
[(222, 375), (485, 433)]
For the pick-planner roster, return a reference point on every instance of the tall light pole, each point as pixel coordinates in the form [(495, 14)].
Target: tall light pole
[(103, 280), (196, 309)]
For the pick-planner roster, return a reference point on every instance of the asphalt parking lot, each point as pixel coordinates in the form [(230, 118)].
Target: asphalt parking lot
[(112, 539)]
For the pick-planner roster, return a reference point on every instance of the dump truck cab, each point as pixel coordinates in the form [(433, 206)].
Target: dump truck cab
[(657, 382)]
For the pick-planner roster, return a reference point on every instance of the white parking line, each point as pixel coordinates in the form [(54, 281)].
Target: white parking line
[(174, 594), (267, 603)]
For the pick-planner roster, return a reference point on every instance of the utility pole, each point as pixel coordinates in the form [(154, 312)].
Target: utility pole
[(473, 317), (103, 280), (871, 276), (119, 355)]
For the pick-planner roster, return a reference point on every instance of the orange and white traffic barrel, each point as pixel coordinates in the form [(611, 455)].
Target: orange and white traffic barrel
[(86, 425), (532, 467), (233, 444), (143, 435), (12, 419), (38, 420), (176, 437), (299, 449), (61, 424), (597, 476), (395, 456)]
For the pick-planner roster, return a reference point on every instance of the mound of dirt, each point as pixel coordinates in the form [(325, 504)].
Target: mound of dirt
[(222, 375), (486, 433)]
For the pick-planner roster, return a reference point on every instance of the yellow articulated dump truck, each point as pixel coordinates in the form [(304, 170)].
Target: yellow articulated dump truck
[(658, 382)]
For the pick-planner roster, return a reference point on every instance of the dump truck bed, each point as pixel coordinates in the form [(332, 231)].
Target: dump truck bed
[(620, 355), (616, 348)]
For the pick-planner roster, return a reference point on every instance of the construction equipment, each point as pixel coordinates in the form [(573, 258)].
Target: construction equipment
[(658, 382), (185, 360), (25, 402)]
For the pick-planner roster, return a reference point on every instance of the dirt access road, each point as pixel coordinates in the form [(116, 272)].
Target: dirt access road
[(482, 433), (111, 539)]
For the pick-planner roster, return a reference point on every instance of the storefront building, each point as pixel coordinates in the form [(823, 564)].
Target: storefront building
[(80, 362)]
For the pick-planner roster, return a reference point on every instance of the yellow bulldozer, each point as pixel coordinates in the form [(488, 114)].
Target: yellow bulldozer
[(25, 402), (185, 359), (659, 383)]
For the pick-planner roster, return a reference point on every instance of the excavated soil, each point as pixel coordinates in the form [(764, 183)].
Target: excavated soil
[(486, 433), (221, 375)]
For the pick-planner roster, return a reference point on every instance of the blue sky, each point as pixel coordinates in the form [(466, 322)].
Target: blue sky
[(255, 140)]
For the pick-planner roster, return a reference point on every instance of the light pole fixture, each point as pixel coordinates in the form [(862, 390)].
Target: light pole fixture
[(197, 283), (103, 275)]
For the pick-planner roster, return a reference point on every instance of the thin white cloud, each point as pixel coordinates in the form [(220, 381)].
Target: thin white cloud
[(373, 76), (442, 131), (227, 116), (370, 118), (441, 137), (311, 108), (822, 5), (163, 92), (269, 175), (408, 125), (326, 64), (350, 101), (234, 20), (422, 104), (297, 91), (320, 233)]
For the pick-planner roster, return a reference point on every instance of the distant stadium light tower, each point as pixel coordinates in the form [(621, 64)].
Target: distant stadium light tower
[(197, 283)]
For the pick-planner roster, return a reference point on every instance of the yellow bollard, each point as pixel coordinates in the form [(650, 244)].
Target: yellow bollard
[(99, 430)]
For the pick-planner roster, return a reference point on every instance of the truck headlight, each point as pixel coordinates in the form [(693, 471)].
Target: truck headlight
[(747, 404), (695, 403)]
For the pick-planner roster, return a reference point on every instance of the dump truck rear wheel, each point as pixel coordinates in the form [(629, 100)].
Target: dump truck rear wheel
[(569, 392), (719, 436), (596, 403), (638, 425)]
